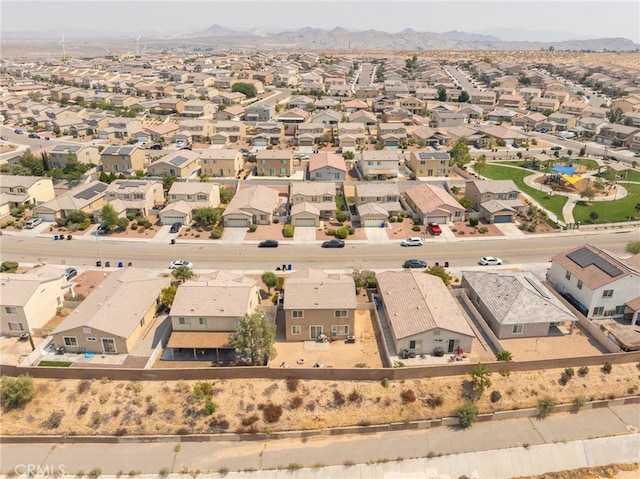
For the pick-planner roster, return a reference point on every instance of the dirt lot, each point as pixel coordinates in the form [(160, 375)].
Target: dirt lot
[(462, 228)]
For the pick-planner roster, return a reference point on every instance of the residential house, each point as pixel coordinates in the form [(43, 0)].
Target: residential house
[(120, 127), (88, 197), (422, 314), (496, 201), (221, 163), (634, 144), (529, 121), (251, 205), (231, 113), (308, 134), (352, 106), (500, 115), (542, 104), (167, 106), (135, 197), (627, 104), (431, 203), (122, 159), (197, 131), (259, 111), (199, 109), (364, 117), (514, 102), (274, 162), (574, 108), (312, 202), (205, 312), (375, 202), (430, 163), (485, 99), (515, 304), (162, 132), (397, 115), (392, 135), (412, 104), (327, 117), (229, 132), (268, 133), (352, 135), (600, 284), (557, 122), (507, 135), (447, 119), (382, 103), (327, 167), (113, 317), (614, 134), (379, 164), (181, 164), (60, 155), (589, 126), (319, 305), (24, 190), (30, 300)]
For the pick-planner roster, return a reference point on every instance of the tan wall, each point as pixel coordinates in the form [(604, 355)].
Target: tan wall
[(135, 162), (89, 346), (322, 318), (42, 191), (214, 323)]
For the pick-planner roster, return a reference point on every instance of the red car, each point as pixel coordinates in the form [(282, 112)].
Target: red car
[(434, 228)]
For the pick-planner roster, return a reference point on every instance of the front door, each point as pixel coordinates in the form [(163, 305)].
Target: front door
[(109, 345), (315, 332), (453, 345)]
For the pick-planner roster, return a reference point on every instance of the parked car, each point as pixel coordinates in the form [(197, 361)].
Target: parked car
[(32, 223), (101, 228), (434, 228), (334, 243), (157, 146), (411, 242), (4, 138), (414, 263), (70, 273), (18, 132), (268, 244), (175, 227), (180, 262), (556, 148), (34, 135), (490, 261)]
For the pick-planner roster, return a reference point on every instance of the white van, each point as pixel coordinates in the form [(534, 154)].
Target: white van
[(32, 223), (565, 135)]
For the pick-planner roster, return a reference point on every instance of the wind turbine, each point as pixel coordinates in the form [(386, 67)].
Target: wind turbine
[(64, 50), (138, 46)]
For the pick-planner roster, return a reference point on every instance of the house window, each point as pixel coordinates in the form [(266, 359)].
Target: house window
[(567, 275), (620, 309), (607, 293), (318, 174), (412, 345), (86, 330), (10, 310), (297, 314), (580, 283), (14, 326), (429, 172), (184, 321), (202, 197), (598, 311), (71, 341), (517, 329), (341, 313), (91, 340), (296, 329), (202, 321), (339, 330)]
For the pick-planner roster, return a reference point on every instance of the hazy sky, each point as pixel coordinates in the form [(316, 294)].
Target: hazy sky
[(587, 19)]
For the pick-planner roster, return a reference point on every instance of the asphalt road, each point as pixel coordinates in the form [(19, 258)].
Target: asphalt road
[(210, 255)]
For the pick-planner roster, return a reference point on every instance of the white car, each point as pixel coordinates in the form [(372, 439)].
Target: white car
[(490, 261), (180, 262), (411, 242)]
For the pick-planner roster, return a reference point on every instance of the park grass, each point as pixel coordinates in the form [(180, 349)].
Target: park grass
[(553, 203), (55, 364), (618, 211), (545, 166)]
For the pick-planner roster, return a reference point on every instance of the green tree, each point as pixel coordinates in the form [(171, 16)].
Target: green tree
[(76, 216), (270, 280), (440, 272), (481, 164), (460, 152), (29, 165), (547, 111), (109, 217), (167, 181), (464, 97), (182, 273), (226, 195), (207, 216), (348, 155), (442, 94), (633, 247), (467, 414), (16, 392), (122, 223), (504, 356), (466, 203), (254, 337), (167, 295), (246, 89), (480, 378), (583, 150), (588, 193), (615, 115)]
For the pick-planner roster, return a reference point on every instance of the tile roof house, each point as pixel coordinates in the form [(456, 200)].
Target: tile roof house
[(274, 162), (251, 205), (59, 155), (122, 159), (136, 197), (319, 304), (375, 202), (432, 203), (604, 285), (181, 164), (205, 311), (421, 313), (89, 198), (312, 201), (379, 164), (496, 201), (114, 316), (515, 305), (221, 162), (327, 167), (24, 190)]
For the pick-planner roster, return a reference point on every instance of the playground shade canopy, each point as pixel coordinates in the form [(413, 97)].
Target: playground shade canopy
[(564, 170)]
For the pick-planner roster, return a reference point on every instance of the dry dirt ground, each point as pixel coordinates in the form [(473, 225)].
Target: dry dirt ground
[(76, 407)]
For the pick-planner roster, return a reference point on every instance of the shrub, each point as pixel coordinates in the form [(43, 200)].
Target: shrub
[(505, 373), (393, 219), (253, 227), (434, 401), (82, 410), (288, 231), (607, 367), (331, 232), (483, 229), (341, 216), (134, 226), (342, 233), (83, 386), (8, 267), (569, 372), (385, 382), (495, 396), (338, 398), (473, 221), (216, 233), (16, 392), (504, 356), (292, 384), (579, 401), (583, 371), (183, 431), (272, 412), (54, 420), (249, 420), (354, 396), (467, 414), (94, 473), (296, 402), (408, 396), (415, 228), (352, 230), (546, 406), (164, 472)]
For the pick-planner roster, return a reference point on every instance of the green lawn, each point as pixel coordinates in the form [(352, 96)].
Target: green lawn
[(55, 364), (553, 203), (610, 211)]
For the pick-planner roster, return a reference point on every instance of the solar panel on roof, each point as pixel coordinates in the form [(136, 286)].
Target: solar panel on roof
[(585, 257), (110, 150), (92, 191), (178, 160), (126, 150)]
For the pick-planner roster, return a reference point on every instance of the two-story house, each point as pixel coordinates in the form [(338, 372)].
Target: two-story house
[(24, 190), (181, 164), (88, 198), (274, 162), (496, 201), (221, 163), (122, 159), (312, 202), (60, 155), (259, 111), (446, 119), (199, 109), (375, 202), (267, 133), (120, 127), (228, 132), (392, 135), (136, 197), (430, 163), (379, 164)]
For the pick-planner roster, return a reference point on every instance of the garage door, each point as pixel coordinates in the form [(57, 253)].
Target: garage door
[(502, 219), (373, 222), (441, 220), (304, 221), (46, 216), (171, 219), (236, 223)]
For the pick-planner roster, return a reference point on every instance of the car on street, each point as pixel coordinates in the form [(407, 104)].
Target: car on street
[(157, 146), (34, 135), (268, 244), (4, 138), (489, 261), (414, 263), (70, 273), (18, 132), (434, 228), (334, 243), (175, 227), (180, 262), (556, 148), (411, 242)]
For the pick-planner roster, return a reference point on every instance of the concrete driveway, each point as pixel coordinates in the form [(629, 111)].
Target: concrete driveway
[(375, 234), (233, 235), (304, 234)]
